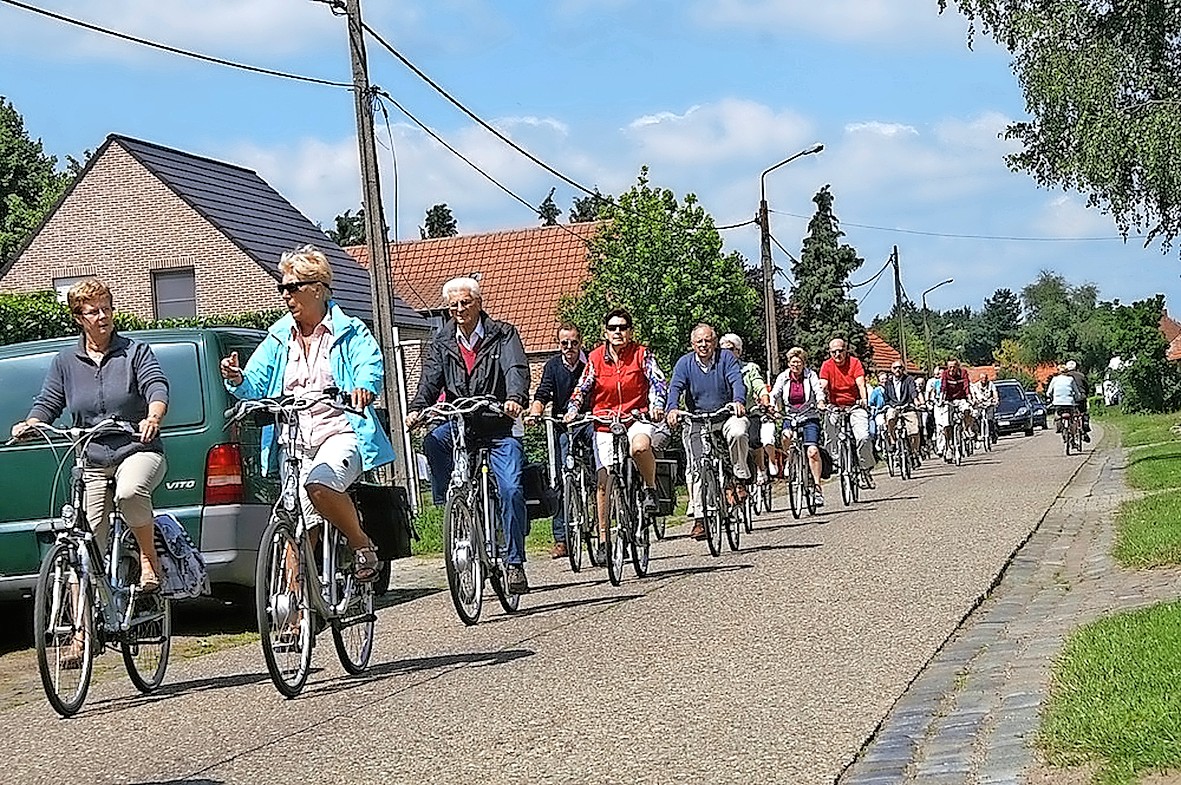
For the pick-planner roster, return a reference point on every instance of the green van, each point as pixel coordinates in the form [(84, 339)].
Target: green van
[(214, 484)]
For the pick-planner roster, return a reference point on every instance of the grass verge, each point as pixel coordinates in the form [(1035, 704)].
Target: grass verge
[(1114, 699)]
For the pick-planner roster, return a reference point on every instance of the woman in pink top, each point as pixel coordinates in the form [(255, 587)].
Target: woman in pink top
[(798, 391)]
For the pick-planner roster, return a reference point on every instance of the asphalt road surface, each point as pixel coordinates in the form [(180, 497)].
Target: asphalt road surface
[(771, 664)]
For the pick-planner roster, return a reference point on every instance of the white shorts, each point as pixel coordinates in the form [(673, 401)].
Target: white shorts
[(335, 464), (605, 442)]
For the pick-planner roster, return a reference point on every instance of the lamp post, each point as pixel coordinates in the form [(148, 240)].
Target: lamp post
[(927, 325), (769, 316)]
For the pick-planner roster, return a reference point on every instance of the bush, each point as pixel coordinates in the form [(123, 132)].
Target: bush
[(1027, 380)]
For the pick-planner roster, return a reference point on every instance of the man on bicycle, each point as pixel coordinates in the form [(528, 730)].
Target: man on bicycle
[(558, 377), (760, 435), (984, 399), (1081, 385), (954, 389), (621, 377), (1062, 394), (843, 379), (709, 379), (472, 355), (900, 392)]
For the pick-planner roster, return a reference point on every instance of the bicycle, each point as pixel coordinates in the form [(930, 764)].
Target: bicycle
[(304, 581), (628, 525), (986, 427), (899, 458), (579, 498), (83, 596), (763, 499), (801, 485), (956, 444), (1072, 431), (474, 537), (715, 476), (851, 474)]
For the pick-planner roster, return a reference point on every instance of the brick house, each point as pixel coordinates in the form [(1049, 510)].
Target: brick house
[(523, 274), (175, 234), (884, 355)]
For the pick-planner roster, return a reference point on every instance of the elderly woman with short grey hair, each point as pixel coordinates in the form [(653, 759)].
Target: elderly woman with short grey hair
[(107, 375)]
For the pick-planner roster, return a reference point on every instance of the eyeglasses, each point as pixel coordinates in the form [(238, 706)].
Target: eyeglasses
[(460, 305), (836, 351), (90, 313), (293, 287), (618, 328), (568, 343), (896, 368)]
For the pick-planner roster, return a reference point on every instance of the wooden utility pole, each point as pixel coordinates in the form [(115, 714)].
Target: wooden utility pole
[(384, 327), (898, 306)]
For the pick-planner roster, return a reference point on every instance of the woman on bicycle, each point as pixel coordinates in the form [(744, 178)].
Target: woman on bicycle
[(314, 347), (797, 390), (107, 375)]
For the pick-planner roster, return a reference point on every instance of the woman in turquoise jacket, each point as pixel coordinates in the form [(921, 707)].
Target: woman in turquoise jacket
[(315, 346)]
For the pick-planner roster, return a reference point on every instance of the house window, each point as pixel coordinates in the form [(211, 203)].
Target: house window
[(62, 285), (175, 293)]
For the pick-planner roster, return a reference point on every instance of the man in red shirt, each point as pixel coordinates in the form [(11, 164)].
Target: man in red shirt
[(843, 380), (955, 391)]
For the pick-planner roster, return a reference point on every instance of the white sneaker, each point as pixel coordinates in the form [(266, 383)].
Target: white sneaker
[(774, 470), (819, 497)]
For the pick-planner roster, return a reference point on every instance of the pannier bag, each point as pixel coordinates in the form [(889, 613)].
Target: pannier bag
[(386, 518), (666, 486), (827, 465), (182, 568), (541, 500)]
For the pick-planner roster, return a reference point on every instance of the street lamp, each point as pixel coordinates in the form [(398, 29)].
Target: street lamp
[(927, 326), (772, 330)]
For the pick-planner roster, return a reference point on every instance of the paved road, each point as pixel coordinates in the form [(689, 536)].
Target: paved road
[(773, 664)]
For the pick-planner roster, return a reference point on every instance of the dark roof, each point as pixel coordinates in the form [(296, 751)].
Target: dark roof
[(257, 219)]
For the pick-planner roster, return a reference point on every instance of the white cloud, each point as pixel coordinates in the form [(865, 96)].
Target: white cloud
[(880, 128), (883, 22), (731, 129), (1067, 215)]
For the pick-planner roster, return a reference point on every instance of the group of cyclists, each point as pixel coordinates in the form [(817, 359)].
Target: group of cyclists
[(316, 347)]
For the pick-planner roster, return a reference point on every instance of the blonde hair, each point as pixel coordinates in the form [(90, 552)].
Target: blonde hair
[(797, 351), (308, 263), (87, 291)]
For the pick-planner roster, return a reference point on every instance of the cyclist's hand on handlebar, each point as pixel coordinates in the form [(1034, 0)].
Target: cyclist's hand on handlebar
[(22, 430), (657, 414), (672, 417), (361, 398), (739, 409), (512, 409), (148, 429), (412, 419), (230, 370)]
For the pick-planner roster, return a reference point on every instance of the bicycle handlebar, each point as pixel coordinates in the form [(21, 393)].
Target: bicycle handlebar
[(726, 411), (75, 433), (290, 403), (460, 407)]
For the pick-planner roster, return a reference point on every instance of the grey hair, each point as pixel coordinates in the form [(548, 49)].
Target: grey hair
[(733, 340), (462, 284)]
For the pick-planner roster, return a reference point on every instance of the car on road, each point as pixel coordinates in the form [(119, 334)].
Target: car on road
[(1038, 406), (214, 485), (1013, 412)]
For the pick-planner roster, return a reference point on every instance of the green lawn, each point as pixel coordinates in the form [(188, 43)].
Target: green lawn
[(1148, 531), (1114, 698)]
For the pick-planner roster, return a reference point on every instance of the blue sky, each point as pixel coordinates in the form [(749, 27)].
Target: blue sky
[(707, 93)]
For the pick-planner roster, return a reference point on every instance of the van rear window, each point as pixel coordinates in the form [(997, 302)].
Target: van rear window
[(23, 378), (186, 404)]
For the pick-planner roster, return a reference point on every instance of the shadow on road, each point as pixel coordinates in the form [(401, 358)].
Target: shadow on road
[(442, 662), (702, 570), (784, 546), (565, 605), (169, 690), (196, 781)]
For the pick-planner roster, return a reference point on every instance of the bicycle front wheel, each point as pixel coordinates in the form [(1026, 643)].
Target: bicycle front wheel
[(713, 507), (641, 541), (148, 641), (575, 520), (795, 482), (353, 626), (462, 556), (848, 476), (63, 628), (617, 517), (735, 515), (283, 606)]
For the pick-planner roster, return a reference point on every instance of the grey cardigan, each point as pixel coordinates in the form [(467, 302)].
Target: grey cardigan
[(121, 386)]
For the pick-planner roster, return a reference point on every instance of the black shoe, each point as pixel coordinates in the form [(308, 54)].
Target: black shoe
[(601, 555), (517, 582), (651, 503), (1087, 437)]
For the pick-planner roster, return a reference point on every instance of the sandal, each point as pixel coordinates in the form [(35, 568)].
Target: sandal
[(366, 565), (72, 659), (149, 580)]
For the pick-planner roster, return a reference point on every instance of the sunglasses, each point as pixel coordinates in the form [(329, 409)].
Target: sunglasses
[(836, 351), (618, 328), (460, 306), (293, 287), (896, 368), (569, 344)]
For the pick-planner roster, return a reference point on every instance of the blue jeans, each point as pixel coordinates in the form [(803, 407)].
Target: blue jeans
[(507, 461)]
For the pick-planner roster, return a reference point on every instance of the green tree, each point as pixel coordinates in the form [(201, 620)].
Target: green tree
[(999, 319), (29, 181), (1102, 86), (819, 298), (549, 211), (663, 261), (440, 222), (350, 229), (1062, 322), (588, 208), (1150, 382)]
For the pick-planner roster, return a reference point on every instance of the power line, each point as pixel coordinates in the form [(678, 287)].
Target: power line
[(949, 235), (172, 49), (876, 276)]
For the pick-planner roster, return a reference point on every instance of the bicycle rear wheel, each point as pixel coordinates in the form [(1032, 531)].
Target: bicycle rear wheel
[(283, 606), (905, 461), (736, 514), (767, 497), (574, 513), (617, 517), (63, 612), (712, 508), (147, 643), (795, 484), (462, 556), (848, 474), (509, 601), (352, 629), (641, 541)]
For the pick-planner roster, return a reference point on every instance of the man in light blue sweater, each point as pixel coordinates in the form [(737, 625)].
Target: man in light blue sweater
[(708, 379)]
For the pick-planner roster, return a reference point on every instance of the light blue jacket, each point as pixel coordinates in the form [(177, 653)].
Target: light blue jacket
[(1062, 390), (355, 360)]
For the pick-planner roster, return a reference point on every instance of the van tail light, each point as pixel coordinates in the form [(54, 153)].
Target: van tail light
[(223, 475)]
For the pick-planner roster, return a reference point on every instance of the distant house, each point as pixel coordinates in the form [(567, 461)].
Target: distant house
[(523, 274), (175, 234), (1171, 329), (885, 355)]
